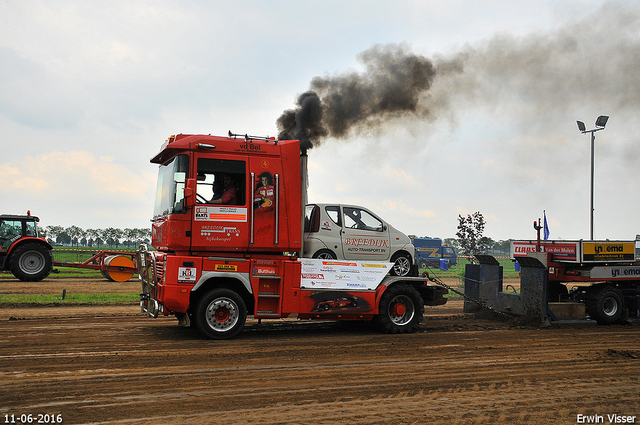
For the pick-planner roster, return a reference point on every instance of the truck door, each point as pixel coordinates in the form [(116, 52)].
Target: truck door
[(221, 212), (267, 213), (364, 236)]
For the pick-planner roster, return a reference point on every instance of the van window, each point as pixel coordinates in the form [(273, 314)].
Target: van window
[(355, 218), (312, 219), (333, 211)]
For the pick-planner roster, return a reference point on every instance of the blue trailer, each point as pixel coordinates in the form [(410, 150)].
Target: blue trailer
[(433, 253)]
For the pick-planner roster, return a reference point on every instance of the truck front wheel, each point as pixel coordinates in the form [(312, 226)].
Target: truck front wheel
[(31, 262), (400, 310), (607, 307), (220, 314)]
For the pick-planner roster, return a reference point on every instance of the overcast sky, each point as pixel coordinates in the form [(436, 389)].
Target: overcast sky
[(89, 90)]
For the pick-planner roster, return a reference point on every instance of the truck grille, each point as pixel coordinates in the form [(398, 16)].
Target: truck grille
[(160, 259)]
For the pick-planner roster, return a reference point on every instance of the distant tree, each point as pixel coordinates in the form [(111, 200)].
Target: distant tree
[(53, 232), (469, 234), (112, 236), (143, 235), (63, 239), (75, 234), (103, 236), (452, 242), (502, 246), (486, 244), (92, 235), (118, 235), (134, 236)]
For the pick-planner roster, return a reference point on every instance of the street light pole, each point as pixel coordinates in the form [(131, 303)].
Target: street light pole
[(593, 142), (601, 122)]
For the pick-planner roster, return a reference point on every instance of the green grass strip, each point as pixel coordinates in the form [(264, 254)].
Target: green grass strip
[(103, 298)]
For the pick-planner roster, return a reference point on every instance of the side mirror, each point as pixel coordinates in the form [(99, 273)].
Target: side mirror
[(190, 193)]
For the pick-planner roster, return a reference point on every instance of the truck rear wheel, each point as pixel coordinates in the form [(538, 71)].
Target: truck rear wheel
[(220, 314), (607, 307), (31, 262), (401, 310)]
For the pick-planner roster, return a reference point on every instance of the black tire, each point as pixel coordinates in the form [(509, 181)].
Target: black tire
[(220, 314), (607, 307), (424, 264), (401, 264), (31, 262), (401, 310), (325, 254)]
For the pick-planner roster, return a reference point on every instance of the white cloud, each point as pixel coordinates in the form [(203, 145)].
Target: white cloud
[(76, 188)]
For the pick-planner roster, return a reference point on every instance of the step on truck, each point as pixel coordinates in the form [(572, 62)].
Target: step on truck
[(227, 234), (604, 275)]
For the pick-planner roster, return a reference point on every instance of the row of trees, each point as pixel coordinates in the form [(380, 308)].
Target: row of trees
[(113, 237), (470, 239)]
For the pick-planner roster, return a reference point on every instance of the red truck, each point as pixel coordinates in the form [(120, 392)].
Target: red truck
[(228, 232)]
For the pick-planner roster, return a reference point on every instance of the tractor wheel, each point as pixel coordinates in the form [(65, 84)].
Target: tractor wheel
[(220, 314), (31, 262), (607, 307), (400, 311)]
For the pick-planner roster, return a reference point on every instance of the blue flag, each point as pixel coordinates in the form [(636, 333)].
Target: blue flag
[(546, 227)]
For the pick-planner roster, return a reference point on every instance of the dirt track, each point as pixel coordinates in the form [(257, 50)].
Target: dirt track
[(109, 364)]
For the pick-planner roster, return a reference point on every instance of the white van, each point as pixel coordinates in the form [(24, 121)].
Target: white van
[(351, 232)]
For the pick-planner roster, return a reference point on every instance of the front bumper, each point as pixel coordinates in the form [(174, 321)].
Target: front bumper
[(150, 273)]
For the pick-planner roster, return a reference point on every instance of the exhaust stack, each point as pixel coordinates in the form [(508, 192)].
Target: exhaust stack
[(303, 190)]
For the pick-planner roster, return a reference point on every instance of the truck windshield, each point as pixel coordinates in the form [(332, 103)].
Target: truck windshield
[(170, 189)]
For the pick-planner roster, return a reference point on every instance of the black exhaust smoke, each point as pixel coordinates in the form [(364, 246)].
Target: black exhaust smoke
[(390, 87)]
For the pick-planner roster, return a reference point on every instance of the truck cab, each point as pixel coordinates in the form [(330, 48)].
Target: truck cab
[(216, 194)]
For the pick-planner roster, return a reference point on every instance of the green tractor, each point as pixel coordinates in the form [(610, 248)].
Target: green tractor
[(22, 251)]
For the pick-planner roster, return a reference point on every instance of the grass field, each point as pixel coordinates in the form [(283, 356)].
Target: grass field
[(508, 268), (80, 255), (104, 298)]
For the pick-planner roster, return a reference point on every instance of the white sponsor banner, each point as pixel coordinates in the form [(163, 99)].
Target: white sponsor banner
[(615, 272), (342, 274)]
